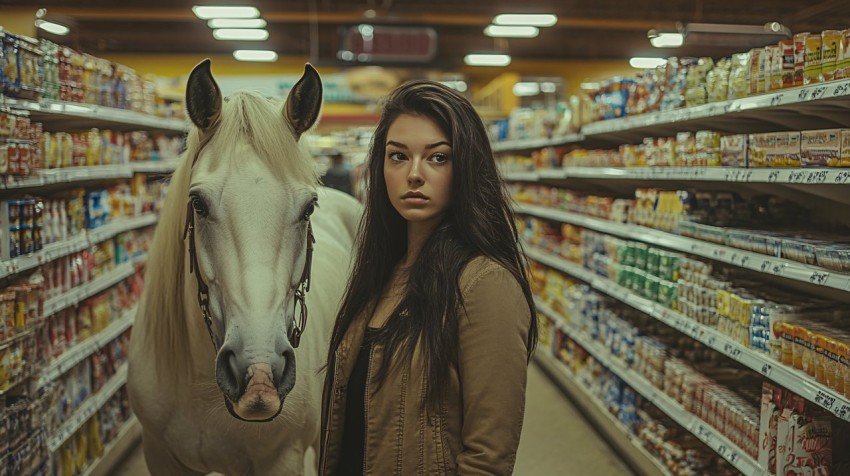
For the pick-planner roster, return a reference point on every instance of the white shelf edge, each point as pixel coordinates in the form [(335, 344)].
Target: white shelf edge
[(155, 166), (780, 99), (794, 176), (770, 265), (790, 378), (525, 144), (702, 430), (68, 175), (96, 112), (128, 436), (87, 409), (86, 290), (546, 359), (520, 176), (76, 354)]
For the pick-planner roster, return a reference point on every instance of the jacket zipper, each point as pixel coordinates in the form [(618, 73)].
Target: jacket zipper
[(366, 406)]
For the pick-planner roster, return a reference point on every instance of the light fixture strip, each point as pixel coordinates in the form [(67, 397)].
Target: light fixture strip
[(266, 56), (240, 34), (208, 12), (501, 31), (523, 19), (218, 23), (487, 60)]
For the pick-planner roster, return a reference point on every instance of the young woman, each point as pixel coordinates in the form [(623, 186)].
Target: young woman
[(427, 363)]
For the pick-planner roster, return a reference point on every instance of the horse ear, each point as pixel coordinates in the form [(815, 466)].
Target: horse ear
[(304, 102), (203, 97)]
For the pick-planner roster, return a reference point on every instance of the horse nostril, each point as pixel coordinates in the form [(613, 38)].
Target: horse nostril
[(228, 374)]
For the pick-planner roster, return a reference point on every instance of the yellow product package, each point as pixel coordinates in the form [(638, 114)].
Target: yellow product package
[(799, 57), (842, 63), (830, 45), (813, 60)]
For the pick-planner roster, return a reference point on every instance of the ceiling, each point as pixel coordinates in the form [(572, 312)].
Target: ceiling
[(601, 29)]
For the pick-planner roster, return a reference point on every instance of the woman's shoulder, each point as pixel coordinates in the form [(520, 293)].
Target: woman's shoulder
[(483, 270)]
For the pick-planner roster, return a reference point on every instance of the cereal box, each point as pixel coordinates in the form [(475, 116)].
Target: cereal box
[(773, 73), (820, 148), (813, 59), (733, 150), (830, 44), (756, 69), (777, 149), (799, 57)]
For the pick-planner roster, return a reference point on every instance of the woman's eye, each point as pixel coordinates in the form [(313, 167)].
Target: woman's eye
[(440, 158), (200, 206), (396, 156)]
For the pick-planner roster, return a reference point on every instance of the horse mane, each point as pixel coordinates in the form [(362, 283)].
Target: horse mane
[(245, 116)]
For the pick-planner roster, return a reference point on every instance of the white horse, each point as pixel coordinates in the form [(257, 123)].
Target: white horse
[(242, 198)]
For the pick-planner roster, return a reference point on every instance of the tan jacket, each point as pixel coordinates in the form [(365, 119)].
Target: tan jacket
[(477, 431)]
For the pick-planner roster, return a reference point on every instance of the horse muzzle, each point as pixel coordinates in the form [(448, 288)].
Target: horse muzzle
[(255, 389)]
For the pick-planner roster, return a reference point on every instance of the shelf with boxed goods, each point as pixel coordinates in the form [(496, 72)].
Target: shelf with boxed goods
[(129, 435), (528, 144), (744, 460), (772, 359), (759, 262), (627, 443)]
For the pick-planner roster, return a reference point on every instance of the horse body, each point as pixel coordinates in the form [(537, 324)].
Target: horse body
[(251, 252)]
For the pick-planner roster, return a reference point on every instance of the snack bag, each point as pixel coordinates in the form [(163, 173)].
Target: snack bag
[(813, 59)]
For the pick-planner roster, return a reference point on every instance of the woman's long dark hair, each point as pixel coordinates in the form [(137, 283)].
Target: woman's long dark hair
[(479, 222)]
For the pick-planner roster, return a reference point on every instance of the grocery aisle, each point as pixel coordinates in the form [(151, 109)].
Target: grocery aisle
[(556, 440)]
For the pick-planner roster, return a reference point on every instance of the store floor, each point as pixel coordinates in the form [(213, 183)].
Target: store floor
[(556, 440)]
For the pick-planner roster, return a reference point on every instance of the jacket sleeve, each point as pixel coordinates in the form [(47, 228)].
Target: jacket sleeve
[(493, 366)]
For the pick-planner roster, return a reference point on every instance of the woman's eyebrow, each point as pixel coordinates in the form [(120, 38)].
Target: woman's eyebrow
[(429, 146)]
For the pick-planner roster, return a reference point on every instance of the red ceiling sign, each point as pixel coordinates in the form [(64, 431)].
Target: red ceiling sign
[(376, 43)]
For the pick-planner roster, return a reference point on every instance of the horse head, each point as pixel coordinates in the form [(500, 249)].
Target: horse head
[(251, 193)]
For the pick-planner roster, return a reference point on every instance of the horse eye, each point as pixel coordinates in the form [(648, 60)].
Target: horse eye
[(309, 211), (200, 206)]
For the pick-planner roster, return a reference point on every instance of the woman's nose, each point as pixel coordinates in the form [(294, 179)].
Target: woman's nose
[(414, 177)]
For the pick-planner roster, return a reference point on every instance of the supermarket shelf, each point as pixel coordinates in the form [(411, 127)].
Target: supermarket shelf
[(85, 115), (67, 175), (57, 250), (625, 443), (89, 289), (81, 351), (25, 377), (793, 176), (705, 432), (795, 380), (784, 268), (17, 337), (87, 409), (155, 166), (526, 144), (787, 107), (128, 438)]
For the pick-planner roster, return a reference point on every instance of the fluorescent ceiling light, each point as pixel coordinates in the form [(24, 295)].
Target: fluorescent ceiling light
[(457, 85), (500, 31), (548, 87), (217, 23), (240, 34), (51, 27), (667, 40), (526, 19), (526, 89), (209, 12), (487, 60), (646, 63), (255, 55)]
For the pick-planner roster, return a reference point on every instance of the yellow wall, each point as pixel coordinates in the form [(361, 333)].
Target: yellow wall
[(19, 21)]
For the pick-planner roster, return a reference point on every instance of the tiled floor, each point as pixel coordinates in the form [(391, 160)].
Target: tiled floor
[(556, 440)]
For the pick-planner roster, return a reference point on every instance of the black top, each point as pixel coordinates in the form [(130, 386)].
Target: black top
[(338, 178), (351, 461)]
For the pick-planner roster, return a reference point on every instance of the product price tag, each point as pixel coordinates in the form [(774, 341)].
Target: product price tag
[(842, 177), (776, 100), (766, 369), (842, 411), (704, 434), (841, 89), (711, 341), (773, 176), (818, 92), (740, 175), (732, 350), (745, 261), (824, 399), (819, 278), (803, 95)]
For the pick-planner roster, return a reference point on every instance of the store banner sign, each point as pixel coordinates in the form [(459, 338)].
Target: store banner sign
[(389, 44), (336, 86)]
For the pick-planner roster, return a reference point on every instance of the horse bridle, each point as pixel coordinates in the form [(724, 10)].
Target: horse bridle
[(301, 290)]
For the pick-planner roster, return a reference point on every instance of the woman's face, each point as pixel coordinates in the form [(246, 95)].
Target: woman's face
[(418, 169)]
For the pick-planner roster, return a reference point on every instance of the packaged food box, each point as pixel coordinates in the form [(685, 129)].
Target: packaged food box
[(813, 59), (842, 63), (756, 69), (845, 150), (733, 150), (820, 148), (830, 45), (776, 149), (799, 57)]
